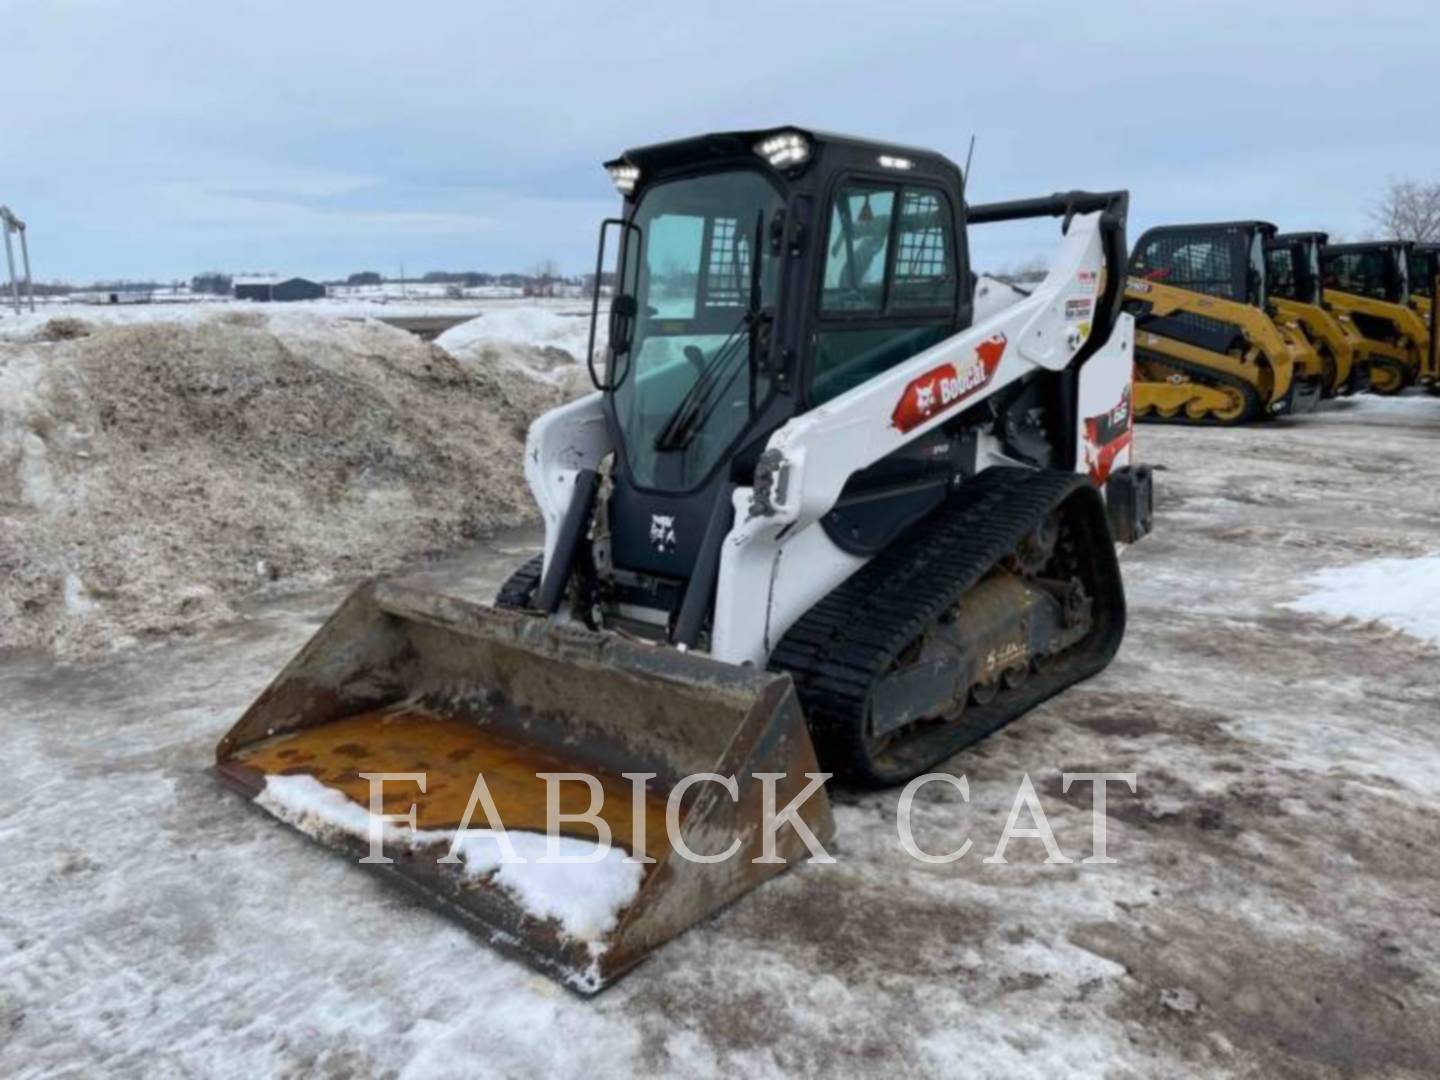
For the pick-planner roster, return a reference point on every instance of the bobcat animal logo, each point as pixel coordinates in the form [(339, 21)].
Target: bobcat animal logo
[(662, 532)]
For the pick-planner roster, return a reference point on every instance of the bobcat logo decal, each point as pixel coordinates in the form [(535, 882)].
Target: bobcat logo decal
[(946, 386), (662, 533)]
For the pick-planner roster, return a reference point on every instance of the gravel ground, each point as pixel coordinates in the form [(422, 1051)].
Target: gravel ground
[(1273, 910)]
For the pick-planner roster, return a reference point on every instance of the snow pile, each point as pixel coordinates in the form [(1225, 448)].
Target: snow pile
[(153, 472), (538, 327), (585, 898), (1404, 594), (544, 343)]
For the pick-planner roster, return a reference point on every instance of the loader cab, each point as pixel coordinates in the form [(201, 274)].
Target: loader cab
[(1225, 259), (1378, 270), (756, 275), (1292, 267)]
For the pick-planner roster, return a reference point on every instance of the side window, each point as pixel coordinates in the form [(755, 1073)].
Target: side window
[(924, 259), (846, 358), (890, 284), (1206, 266), (858, 247)]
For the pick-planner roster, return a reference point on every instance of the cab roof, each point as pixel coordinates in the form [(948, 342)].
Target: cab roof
[(1215, 226), (717, 147), (1372, 245)]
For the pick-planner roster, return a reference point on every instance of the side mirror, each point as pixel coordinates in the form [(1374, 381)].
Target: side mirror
[(622, 323)]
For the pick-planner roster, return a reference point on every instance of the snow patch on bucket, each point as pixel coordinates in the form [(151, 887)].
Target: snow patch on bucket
[(585, 898)]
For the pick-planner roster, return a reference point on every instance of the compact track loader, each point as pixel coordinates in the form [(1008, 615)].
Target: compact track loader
[(1368, 286), (1297, 298), (835, 504), (1424, 274), (1207, 350)]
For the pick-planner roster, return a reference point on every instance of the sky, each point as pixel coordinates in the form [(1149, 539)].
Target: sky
[(159, 139)]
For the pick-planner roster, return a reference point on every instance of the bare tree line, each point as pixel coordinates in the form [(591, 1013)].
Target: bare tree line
[(1409, 210)]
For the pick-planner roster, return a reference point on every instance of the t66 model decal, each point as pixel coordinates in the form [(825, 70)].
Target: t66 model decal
[(1105, 436), (944, 387)]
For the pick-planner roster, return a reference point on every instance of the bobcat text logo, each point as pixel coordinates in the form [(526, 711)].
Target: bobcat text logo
[(942, 387), (662, 532)]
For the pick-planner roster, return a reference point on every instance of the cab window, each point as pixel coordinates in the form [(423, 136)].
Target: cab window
[(890, 283), (924, 260), (1200, 264), (1280, 269), (859, 245), (1363, 273)]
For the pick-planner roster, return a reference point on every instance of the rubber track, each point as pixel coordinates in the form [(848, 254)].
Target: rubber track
[(520, 586), (1254, 407), (849, 640)]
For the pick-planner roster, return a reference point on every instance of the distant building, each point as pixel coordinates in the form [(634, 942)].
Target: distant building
[(267, 289), (116, 295)]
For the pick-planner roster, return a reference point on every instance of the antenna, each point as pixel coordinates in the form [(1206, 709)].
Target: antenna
[(965, 176)]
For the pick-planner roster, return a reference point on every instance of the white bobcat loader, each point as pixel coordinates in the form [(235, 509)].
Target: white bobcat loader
[(836, 504)]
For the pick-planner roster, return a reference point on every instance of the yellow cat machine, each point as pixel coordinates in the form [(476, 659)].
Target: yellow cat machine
[(1206, 349), (1424, 266), (1368, 285), (1297, 298)]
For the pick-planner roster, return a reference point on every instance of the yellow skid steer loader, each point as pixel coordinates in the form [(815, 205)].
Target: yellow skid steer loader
[(834, 507), (1367, 285), (1207, 350), (1297, 298), (1424, 277)]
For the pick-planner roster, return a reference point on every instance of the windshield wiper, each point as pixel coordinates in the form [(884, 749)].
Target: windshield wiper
[(680, 428), (702, 399)]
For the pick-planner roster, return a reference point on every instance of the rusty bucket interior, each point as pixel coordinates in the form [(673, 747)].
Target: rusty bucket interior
[(401, 681)]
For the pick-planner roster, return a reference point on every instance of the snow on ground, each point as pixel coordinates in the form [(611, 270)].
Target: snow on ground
[(1403, 593), (159, 463), (1272, 911)]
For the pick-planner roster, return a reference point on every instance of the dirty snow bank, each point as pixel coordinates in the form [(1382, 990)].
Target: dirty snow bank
[(1404, 594), (154, 472), (584, 898)]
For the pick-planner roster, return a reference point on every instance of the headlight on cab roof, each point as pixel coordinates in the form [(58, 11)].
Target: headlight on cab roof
[(785, 150), (624, 176)]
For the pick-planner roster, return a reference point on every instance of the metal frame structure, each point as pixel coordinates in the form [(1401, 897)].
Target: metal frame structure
[(12, 224)]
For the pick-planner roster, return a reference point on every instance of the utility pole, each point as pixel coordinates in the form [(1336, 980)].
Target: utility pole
[(9, 223)]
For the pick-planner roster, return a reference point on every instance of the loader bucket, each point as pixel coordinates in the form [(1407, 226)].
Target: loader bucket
[(404, 681)]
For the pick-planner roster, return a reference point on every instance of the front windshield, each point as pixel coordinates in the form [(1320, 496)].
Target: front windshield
[(1312, 249), (690, 263), (1280, 271), (1402, 276)]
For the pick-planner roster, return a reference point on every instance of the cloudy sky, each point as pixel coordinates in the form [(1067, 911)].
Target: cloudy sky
[(150, 138)]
